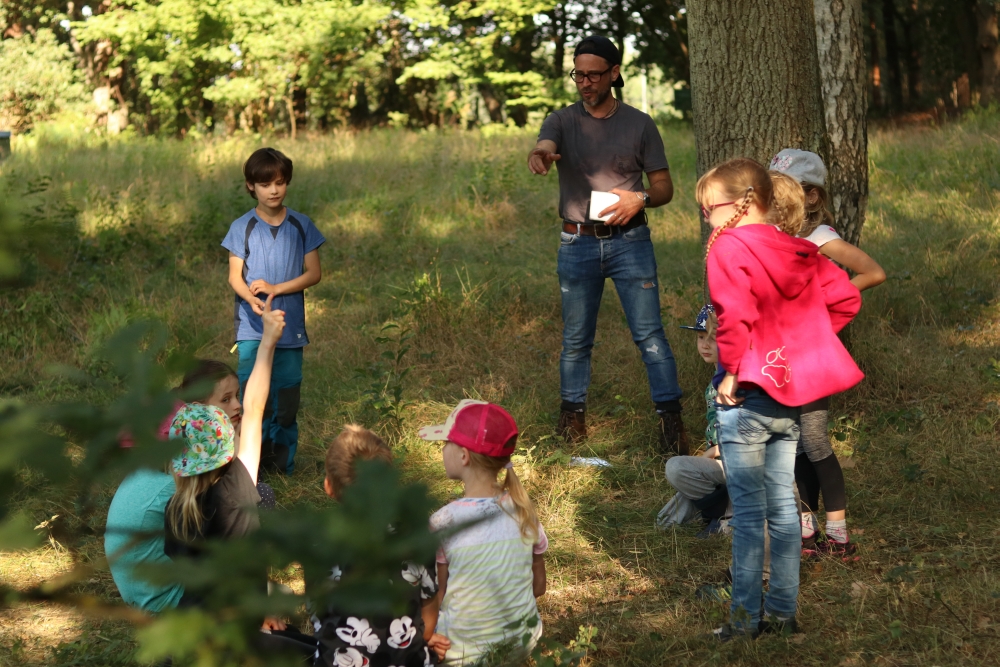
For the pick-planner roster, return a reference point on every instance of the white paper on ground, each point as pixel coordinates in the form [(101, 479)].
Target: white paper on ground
[(600, 201), (589, 461)]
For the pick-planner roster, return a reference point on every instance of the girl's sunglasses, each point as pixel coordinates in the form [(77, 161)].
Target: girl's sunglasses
[(705, 212)]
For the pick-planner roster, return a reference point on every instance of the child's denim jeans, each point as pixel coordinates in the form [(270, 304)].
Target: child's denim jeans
[(758, 439), (280, 430)]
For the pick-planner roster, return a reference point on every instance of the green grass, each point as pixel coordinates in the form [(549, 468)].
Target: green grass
[(449, 235)]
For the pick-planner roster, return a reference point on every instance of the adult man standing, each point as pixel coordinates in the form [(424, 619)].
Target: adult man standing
[(603, 145)]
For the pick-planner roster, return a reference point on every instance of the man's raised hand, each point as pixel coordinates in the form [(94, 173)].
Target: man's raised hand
[(540, 160)]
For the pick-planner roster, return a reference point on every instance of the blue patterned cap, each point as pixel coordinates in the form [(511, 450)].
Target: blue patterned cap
[(702, 321)]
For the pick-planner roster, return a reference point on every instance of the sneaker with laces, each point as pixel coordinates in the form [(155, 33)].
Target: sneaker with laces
[(728, 633), (772, 625), (843, 550), (810, 549)]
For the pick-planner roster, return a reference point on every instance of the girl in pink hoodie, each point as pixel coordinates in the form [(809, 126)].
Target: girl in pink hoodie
[(779, 306)]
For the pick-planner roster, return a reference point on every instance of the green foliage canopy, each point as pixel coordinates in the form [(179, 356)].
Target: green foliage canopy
[(37, 79)]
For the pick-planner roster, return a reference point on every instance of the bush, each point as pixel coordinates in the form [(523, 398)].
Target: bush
[(37, 80)]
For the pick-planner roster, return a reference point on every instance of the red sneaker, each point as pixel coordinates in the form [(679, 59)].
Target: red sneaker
[(845, 551)]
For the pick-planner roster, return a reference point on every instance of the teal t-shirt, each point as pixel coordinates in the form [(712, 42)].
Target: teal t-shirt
[(138, 507)]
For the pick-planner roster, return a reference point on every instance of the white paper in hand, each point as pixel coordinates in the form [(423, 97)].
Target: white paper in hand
[(600, 201)]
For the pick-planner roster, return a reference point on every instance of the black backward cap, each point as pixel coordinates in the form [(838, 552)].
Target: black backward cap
[(605, 48)]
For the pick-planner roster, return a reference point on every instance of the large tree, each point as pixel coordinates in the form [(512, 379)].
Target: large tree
[(841, 56), (755, 89)]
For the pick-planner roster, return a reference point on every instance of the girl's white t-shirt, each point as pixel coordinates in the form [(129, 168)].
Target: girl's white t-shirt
[(489, 598), (823, 235)]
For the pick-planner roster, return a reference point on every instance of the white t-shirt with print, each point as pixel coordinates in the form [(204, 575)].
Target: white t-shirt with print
[(489, 585), (823, 235)]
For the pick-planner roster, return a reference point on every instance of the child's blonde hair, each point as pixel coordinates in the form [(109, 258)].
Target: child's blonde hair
[(524, 509), (354, 443), (789, 202), (184, 511), (744, 181), (817, 213)]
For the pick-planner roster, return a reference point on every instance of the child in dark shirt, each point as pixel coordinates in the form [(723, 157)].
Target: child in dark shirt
[(347, 640)]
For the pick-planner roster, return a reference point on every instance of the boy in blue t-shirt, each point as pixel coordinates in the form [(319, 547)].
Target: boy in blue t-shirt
[(273, 250)]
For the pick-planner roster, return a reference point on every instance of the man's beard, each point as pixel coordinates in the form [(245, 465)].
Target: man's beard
[(601, 97)]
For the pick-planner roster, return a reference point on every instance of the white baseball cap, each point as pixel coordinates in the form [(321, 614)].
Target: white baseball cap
[(804, 166)]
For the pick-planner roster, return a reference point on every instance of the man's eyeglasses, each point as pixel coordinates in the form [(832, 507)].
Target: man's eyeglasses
[(593, 77), (705, 212)]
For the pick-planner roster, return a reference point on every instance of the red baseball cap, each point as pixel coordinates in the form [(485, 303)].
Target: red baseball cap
[(479, 426)]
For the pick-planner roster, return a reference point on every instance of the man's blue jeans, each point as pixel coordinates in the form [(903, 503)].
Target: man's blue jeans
[(757, 440), (280, 428), (627, 258)]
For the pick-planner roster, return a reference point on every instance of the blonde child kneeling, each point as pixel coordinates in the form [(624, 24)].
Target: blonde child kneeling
[(490, 572)]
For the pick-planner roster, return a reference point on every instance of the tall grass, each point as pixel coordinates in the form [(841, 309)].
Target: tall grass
[(450, 237)]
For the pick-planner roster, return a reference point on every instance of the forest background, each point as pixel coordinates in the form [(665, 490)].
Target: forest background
[(173, 67), (439, 285)]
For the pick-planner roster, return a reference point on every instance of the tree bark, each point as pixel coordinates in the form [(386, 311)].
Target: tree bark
[(754, 90), (986, 13), (841, 53)]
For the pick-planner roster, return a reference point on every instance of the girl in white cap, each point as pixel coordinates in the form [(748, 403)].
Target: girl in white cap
[(817, 469), (492, 568)]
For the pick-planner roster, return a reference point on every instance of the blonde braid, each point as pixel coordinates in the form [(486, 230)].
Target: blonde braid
[(741, 210)]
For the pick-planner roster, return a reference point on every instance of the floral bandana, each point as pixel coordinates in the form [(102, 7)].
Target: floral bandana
[(208, 435)]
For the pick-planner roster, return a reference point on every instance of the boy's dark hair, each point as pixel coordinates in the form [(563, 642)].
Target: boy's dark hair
[(264, 165), (207, 370), (353, 443)]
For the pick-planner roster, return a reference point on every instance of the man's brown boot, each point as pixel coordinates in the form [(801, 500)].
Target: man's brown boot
[(572, 425), (673, 439)]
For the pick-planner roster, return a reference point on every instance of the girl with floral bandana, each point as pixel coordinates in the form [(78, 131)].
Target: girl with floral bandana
[(216, 484)]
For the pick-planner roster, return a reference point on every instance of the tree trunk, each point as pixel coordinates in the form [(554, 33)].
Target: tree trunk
[(911, 37), (986, 13), (841, 53), (493, 105), (754, 90), (894, 78)]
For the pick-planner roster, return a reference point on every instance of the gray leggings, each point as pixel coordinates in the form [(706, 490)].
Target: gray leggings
[(814, 440)]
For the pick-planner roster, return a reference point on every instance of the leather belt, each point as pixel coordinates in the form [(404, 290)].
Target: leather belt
[(600, 230)]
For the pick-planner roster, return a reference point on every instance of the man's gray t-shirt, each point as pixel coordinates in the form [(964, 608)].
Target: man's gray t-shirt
[(601, 154)]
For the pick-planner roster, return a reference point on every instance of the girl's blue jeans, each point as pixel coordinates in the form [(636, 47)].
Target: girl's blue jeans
[(584, 264), (758, 439)]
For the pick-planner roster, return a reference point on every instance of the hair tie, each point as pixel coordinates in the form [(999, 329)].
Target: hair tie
[(508, 465)]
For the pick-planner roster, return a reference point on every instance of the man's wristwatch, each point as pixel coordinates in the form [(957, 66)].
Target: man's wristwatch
[(645, 198)]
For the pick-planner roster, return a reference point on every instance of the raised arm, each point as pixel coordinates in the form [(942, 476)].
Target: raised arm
[(239, 285), (258, 386), (867, 272), (542, 156)]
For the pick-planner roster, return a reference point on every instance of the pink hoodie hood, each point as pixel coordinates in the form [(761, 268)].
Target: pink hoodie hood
[(780, 305)]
